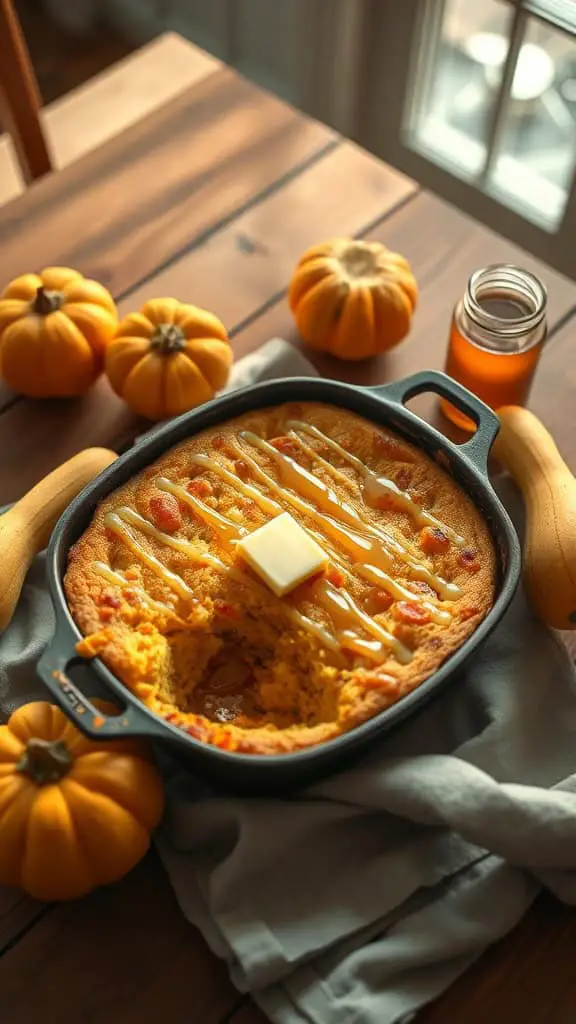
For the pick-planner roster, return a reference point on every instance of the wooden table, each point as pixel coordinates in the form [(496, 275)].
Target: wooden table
[(212, 199)]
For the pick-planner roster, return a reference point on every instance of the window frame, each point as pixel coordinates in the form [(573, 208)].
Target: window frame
[(393, 68)]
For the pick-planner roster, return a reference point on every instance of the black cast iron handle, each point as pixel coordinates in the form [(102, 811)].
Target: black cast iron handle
[(53, 668), (477, 449)]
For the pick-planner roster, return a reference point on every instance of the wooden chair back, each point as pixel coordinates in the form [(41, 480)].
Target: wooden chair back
[(20, 101)]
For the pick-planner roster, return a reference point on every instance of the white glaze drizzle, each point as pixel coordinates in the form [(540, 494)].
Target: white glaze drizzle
[(128, 515), (374, 575), (226, 531), (118, 580), (364, 543), (266, 504), (115, 522), (358, 645), (374, 486), (382, 547), (342, 607)]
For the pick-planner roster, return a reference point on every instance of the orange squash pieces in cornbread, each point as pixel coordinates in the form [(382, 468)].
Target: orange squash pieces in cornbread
[(162, 588)]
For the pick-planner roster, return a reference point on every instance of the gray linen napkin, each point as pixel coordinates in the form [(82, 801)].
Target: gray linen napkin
[(361, 899)]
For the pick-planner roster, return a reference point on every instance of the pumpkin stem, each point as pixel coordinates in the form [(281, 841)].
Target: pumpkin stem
[(359, 260), (167, 338), (46, 302), (45, 760)]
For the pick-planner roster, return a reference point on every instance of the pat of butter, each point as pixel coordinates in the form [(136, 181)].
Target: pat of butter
[(282, 554)]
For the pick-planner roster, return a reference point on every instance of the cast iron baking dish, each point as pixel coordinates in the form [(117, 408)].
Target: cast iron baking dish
[(383, 405)]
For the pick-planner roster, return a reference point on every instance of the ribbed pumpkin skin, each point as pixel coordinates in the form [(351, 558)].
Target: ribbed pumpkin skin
[(66, 830), (168, 358), (352, 299), (54, 329)]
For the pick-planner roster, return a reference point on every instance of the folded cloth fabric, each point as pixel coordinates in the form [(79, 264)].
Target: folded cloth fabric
[(363, 897)]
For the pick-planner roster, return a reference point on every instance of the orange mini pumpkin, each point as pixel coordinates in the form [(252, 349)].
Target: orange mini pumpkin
[(168, 358), (352, 298), (54, 327), (73, 814)]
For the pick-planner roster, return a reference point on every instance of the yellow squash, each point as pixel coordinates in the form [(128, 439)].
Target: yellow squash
[(529, 453)]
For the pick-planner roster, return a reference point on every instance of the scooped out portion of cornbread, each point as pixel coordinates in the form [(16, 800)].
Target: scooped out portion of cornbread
[(162, 593)]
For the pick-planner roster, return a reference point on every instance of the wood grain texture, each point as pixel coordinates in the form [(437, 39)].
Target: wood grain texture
[(110, 102), (129, 207), (254, 259), (16, 913), (122, 211), (234, 273), (20, 98), (122, 95), (37, 435), (124, 955)]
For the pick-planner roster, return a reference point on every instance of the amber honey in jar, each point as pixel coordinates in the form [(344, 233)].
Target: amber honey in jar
[(498, 330)]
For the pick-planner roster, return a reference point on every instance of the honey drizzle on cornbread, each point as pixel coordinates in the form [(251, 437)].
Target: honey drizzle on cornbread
[(372, 574), (381, 579), (266, 504), (382, 547), (226, 531), (114, 523), (342, 607), (340, 522), (351, 541), (374, 487), (112, 576), (329, 595)]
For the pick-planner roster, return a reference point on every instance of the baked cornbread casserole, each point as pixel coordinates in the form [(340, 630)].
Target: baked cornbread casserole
[(383, 564)]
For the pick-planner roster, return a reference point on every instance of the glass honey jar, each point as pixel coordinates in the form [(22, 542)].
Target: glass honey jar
[(496, 338)]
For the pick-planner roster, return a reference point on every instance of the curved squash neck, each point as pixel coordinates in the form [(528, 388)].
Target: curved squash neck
[(526, 449)]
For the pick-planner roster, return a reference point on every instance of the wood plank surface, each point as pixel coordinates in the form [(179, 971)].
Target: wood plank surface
[(122, 95), (226, 275), (16, 913), (444, 247), (110, 102), (122, 211), (257, 255), (124, 955), (132, 205)]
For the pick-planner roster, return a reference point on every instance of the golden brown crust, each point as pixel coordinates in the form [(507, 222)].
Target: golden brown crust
[(236, 652)]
